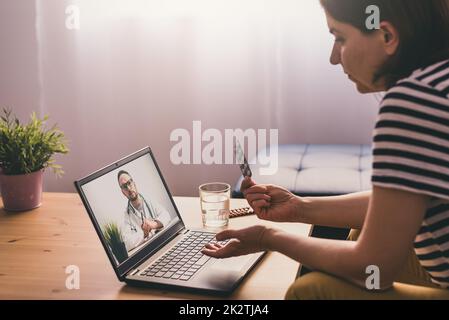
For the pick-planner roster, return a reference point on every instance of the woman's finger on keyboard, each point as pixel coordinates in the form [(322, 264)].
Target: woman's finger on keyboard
[(227, 234), (213, 246)]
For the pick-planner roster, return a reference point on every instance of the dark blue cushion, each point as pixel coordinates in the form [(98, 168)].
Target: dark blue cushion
[(318, 170)]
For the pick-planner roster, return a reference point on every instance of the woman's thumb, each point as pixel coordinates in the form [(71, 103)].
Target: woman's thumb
[(247, 183)]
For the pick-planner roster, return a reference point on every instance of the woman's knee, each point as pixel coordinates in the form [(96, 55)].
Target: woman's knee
[(311, 286)]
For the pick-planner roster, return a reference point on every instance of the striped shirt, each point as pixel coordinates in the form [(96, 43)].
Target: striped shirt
[(411, 153)]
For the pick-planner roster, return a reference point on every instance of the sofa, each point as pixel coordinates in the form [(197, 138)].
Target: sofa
[(318, 170)]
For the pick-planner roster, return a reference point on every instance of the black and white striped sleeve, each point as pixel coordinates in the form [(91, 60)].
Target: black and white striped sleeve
[(411, 140)]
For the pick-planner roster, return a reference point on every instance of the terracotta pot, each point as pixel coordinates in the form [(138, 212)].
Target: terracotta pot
[(21, 192)]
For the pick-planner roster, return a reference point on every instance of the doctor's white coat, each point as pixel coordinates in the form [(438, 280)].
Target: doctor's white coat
[(131, 229)]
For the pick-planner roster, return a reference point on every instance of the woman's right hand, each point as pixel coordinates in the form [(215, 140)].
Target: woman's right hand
[(271, 202)]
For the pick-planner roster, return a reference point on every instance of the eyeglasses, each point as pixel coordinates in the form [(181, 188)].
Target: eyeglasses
[(126, 184)]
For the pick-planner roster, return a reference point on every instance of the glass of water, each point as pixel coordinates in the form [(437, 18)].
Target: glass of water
[(215, 198)]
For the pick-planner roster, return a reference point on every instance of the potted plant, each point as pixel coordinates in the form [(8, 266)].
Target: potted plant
[(25, 152), (115, 241)]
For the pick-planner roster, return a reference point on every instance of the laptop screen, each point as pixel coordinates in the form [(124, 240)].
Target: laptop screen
[(131, 206)]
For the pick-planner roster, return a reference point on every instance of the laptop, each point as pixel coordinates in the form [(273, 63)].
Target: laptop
[(144, 235)]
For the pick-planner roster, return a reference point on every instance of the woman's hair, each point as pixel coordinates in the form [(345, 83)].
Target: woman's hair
[(423, 27)]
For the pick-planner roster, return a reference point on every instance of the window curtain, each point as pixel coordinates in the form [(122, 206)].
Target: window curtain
[(136, 70)]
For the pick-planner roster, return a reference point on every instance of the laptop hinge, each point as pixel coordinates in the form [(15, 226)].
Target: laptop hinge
[(134, 272)]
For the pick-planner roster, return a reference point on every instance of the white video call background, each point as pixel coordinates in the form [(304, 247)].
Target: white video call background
[(107, 201)]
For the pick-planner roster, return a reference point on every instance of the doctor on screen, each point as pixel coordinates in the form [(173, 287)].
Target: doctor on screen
[(142, 218)]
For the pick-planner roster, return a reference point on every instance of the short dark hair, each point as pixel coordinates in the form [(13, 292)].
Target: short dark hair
[(423, 27), (120, 173)]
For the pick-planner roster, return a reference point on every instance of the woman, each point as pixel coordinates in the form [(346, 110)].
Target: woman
[(409, 203)]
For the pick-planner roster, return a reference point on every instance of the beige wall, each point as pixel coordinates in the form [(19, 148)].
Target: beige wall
[(19, 86)]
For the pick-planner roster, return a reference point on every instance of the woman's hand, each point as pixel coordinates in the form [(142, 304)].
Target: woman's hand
[(242, 242), (271, 202)]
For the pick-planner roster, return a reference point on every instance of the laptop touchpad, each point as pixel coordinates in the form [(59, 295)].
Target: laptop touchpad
[(234, 264)]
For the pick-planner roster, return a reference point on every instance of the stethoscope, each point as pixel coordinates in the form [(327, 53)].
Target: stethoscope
[(131, 208)]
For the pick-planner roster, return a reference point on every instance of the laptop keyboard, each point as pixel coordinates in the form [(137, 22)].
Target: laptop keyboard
[(183, 260)]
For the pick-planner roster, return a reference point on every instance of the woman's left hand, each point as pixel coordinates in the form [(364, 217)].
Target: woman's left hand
[(242, 242)]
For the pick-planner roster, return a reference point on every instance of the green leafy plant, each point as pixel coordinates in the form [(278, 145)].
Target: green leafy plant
[(114, 239), (31, 147), (112, 234)]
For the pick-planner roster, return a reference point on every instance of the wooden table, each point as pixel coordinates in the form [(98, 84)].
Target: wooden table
[(37, 246)]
